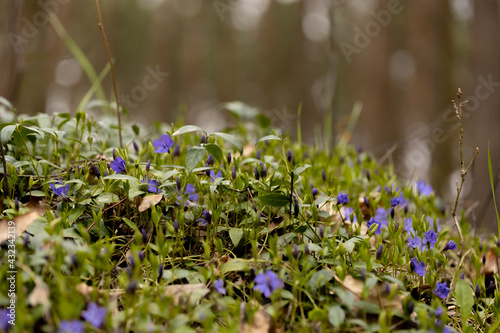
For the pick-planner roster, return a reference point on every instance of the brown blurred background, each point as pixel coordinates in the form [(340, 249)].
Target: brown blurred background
[(403, 60)]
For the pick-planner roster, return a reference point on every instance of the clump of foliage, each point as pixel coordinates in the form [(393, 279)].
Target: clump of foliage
[(244, 230)]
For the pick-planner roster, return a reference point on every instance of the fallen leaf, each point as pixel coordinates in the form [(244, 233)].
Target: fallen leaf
[(177, 290), (84, 289), (491, 263), (36, 204), (149, 201), (19, 226), (39, 295)]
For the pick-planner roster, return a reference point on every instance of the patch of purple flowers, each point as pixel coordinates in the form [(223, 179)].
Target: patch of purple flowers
[(430, 238), (191, 191), (152, 185), (418, 266), (441, 290), (71, 326), (423, 188)]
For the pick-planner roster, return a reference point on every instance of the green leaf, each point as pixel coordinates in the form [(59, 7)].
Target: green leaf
[(235, 234), (6, 133), (241, 110), (75, 214), (193, 157), (301, 169), (336, 315), (188, 129), (273, 200), (231, 139), (269, 137), (235, 265), (107, 198), (215, 150), (121, 177), (319, 279), (465, 299), (130, 224)]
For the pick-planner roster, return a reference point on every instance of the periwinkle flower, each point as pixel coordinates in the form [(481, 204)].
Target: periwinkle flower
[(95, 315), (441, 290), (439, 311), (348, 214), (451, 245), (219, 286), (207, 218), (423, 188), (430, 238), (415, 242), (118, 165), (214, 176), (371, 222), (417, 267), (71, 326), (191, 191), (381, 216), (60, 189), (164, 144), (342, 198), (152, 185), (395, 201), (409, 225), (267, 283)]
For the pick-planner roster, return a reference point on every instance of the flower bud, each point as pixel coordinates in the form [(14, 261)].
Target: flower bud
[(478, 291), (141, 255), (321, 231), (210, 160), (178, 183), (392, 213), (264, 171), (295, 251), (314, 191), (228, 157), (160, 272), (379, 251), (233, 173), (114, 153), (256, 173), (258, 154), (203, 138), (136, 147), (289, 156), (148, 165), (144, 235), (323, 175), (131, 287), (16, 204), (177, 151), (306, 250), (368, 175), (176, 226)]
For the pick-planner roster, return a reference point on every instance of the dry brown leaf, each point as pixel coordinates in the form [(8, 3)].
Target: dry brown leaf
[(39, 295), (261, 323), (178, 290), (491, 263), (149, 201), (19, 226), (36, 204)]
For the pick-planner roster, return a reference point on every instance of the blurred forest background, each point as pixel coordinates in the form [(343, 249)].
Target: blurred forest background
[(403, 60)]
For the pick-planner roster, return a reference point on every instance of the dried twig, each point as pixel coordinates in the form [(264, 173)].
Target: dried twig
[(108, 51)]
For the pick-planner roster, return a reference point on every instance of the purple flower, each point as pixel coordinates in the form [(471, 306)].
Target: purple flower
[(163, 145), (59, 189), (233, 173), (342, 198), (152, 185), (95, 315), (418, 267), (118, 165), (451, 245), (71, 326), (409, 225), (347, 212), (193, 196), (228, 157), (314, 191), (267, 283), (394, 202), (381, 216), (148, 165), (4, 320), (207, 218), (371, 222), (441, 290), (210, 160), (415, 242), (214, 176), (430, 238), (379, 251), (423, 188), (219, 286), (439, 311)]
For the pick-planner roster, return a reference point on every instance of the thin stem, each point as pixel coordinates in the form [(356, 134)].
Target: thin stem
[(108, 51), (5, 178)]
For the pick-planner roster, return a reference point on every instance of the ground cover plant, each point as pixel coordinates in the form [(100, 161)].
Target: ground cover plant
[(244, 230)]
